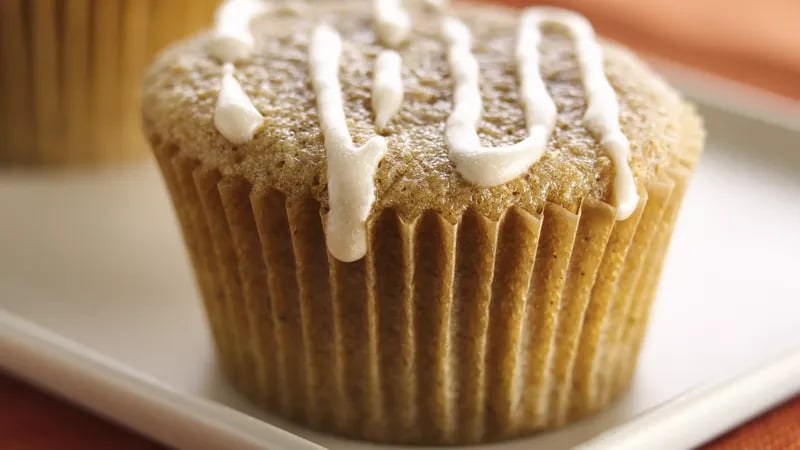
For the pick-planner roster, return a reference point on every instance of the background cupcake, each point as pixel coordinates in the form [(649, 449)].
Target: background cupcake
[(421, 225), (70, 72)]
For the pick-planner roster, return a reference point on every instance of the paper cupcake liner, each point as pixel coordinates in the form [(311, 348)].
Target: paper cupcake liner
[(445, 332), (70, 74)]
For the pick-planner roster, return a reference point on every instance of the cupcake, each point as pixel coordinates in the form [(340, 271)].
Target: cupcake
[(70, 72), (421, 224)]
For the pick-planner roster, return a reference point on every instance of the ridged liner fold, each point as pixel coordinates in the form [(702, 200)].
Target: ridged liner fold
[(445, 333), (70, 74)]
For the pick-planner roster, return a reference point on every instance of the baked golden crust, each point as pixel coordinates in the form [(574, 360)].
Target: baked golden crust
[(416, 174)]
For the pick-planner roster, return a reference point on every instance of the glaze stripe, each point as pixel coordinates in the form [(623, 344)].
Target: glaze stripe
[(387, 87), (491, 166), (232, 39), (392, 22), (235, 117), (602, 111), (351, 169)]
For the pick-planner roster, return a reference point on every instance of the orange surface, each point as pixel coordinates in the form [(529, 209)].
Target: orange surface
[(33, 420), (755, 42), (778, 429), (752, 41)]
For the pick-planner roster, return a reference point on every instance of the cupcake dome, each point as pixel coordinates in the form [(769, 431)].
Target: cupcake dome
[(70, 74), (419, 223)]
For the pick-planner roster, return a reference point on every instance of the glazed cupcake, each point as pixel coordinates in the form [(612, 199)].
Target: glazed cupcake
[(70, 72), (419, 224)]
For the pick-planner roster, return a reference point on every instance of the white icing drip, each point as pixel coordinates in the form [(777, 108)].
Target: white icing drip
[(351, 169), (235, 116), (602, 111), (392, 22), (387, 87), (232, 38), (490, 166)]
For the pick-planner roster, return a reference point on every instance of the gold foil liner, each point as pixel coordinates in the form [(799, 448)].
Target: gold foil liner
[(445, 333), (70, 74)]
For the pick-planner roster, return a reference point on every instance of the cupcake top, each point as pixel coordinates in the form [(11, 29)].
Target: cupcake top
[(414, 105)]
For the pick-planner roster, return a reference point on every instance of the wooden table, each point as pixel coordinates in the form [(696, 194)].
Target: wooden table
[(751, 41)]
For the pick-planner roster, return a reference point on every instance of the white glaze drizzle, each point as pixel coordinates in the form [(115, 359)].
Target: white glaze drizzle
[(235, 116), (351, 169), (232, 39), (491, 166), (387, 87), (392, 22), (602, 111)]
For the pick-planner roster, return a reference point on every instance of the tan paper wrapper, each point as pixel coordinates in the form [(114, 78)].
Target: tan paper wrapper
[(70, 73), (446, 332)]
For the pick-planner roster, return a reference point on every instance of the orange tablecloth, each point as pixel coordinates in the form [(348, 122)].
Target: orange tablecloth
[(33, 420), (752, 41), (778, 429)]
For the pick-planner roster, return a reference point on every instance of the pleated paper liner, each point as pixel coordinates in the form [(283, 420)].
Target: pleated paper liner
[(445, 332), (70, 73)]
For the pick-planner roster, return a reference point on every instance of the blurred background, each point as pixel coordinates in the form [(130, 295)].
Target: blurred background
[(756, 42)]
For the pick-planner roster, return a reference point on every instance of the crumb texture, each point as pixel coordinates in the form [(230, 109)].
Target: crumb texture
[(416, 175)]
